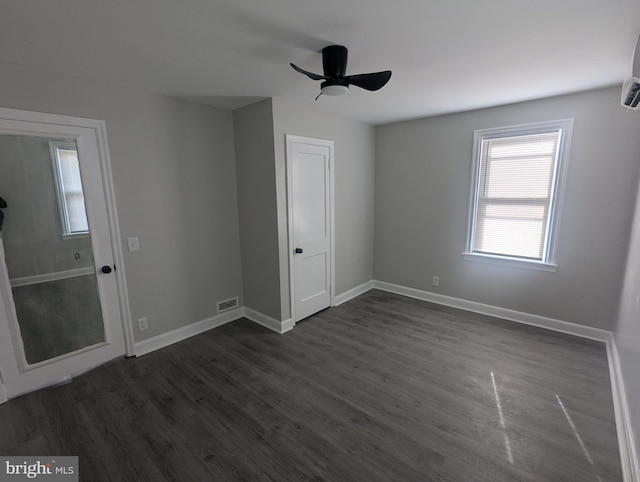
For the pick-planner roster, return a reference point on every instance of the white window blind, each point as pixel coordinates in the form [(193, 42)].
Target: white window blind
[(70, 194), (515, 192)]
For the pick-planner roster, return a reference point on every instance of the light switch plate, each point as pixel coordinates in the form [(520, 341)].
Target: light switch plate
[(133, 243)]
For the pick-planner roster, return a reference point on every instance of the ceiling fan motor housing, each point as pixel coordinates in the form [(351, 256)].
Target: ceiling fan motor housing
[(334, 61)]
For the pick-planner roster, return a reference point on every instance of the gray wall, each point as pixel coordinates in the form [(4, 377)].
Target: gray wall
[(32, 229), (174, 175), (255, 168), (354, 182), (260, 147), (627, 329), (423, 170)]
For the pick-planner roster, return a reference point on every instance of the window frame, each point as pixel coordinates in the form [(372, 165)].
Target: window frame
[(556, 197), (54, 146)]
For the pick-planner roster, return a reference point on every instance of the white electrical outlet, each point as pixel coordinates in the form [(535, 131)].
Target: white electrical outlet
[(143, 324), (436, 281)]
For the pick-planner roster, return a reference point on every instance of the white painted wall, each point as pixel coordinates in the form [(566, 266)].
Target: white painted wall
[(255, 168), (627, 328), (175, 183), (423, 170)]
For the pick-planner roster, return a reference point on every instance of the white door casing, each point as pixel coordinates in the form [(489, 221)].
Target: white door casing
[(311, 232), (90, 136)]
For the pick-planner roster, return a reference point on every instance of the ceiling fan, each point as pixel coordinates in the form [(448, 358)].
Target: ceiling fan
[(334, 67)]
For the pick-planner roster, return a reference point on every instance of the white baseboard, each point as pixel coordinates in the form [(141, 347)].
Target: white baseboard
[(498, 312), (42, 278), (268, 322), (169, 338), (352, 293), (626, 439)]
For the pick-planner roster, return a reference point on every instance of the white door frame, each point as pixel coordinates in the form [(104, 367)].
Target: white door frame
[(289, 140), (99, 129)]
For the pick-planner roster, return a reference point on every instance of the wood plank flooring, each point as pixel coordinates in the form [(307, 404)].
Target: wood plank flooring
[(58, 317), (382, 388)]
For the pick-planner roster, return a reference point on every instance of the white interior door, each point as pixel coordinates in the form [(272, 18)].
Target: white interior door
[(59, 306), (310, 224)]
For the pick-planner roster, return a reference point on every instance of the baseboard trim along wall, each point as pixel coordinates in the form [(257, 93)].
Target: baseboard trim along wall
[(353, 293), (498, 312), (169, 338), (42, 278), (268, 322), (165, 339), (626, 440)]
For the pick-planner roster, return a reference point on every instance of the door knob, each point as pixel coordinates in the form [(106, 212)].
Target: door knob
[(298, 250), (106, 269)]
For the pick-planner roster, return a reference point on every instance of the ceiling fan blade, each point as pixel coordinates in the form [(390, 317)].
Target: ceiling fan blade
[(311, 75), (373, 81)]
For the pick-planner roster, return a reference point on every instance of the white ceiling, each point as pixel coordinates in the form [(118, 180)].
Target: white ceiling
[(446, 55)]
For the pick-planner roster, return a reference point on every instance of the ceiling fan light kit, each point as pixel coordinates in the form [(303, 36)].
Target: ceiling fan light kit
[(335, 82), (333, 89)]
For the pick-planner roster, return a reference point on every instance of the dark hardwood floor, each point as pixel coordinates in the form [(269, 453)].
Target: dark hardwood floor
[(380, 388)]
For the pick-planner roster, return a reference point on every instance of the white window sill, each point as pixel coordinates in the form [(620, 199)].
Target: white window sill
[(75, 235), (513, 262)]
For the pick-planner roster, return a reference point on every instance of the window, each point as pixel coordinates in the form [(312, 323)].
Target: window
[(516, 190), (66, 168)]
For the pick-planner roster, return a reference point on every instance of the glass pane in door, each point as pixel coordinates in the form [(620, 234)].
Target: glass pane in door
[(47, 247)]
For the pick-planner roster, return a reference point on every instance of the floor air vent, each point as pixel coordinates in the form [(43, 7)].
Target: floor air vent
[(225, 305)]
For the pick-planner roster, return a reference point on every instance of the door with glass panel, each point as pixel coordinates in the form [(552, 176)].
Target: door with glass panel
[(59, 307)]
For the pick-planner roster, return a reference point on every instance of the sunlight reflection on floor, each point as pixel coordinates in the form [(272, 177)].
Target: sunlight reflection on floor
[(575, 432), (499, 405)]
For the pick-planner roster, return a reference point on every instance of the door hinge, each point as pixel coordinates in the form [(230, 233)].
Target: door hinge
[(1, 378)]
